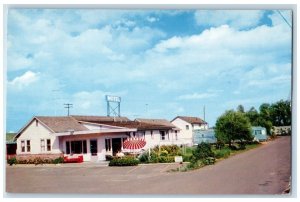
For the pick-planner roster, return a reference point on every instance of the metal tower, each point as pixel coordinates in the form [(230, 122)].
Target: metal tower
[(113, 105)]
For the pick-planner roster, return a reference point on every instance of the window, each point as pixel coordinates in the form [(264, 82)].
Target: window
[(23, 145), (176, 136), (84, 146), (133, 134), (42, 145), (162, 135), (168, 135), (48, 145), (76, 147), (187, 127), (152, 134), (28, 145), (107, 145), (257, 132), (68, 147)]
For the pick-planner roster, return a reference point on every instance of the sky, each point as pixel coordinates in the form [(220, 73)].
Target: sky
[(162, 63)]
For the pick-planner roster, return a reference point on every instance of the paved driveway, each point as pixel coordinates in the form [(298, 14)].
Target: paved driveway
[(265, 170)]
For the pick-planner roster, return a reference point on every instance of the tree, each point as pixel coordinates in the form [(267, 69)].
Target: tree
[(240, 108), (265, 110), (264, 118), (252, 115), (233, 126), (280, 113)]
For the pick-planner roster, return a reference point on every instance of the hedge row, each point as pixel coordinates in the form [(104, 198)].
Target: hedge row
[(36, 161), (124, 161)]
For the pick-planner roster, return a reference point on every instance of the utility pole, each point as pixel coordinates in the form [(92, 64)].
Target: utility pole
[(68, 106)]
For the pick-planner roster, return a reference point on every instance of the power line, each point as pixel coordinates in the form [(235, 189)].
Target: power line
[(68, 106), (284, 19)]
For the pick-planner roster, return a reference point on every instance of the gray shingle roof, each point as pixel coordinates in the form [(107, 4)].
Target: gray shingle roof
[(61, 124), (100, 119), (162, 122), (191, 120)]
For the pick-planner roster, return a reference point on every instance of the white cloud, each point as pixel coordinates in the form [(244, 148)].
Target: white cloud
[(18, 62), (219, 52), (152, 19), (235, 18), (24, 80), (172, 43), (196, 96)]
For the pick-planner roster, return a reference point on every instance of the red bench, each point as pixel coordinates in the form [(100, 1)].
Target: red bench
[(77, 159)]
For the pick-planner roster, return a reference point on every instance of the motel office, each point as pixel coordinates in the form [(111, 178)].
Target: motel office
[(94, 137)]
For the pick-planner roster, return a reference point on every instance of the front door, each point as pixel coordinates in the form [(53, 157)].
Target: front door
[(116, 145), (93, 147)]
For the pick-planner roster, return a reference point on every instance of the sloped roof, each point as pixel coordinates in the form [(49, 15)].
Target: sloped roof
[(61, 124), (162, 122), (100, 119), (56, 124), (140, 125), (123, 122), (191, 120)]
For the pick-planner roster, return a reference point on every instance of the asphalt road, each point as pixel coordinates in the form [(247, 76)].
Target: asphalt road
[(264, 170)]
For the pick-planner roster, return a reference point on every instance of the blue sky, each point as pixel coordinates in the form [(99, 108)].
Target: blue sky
[(163, 63)]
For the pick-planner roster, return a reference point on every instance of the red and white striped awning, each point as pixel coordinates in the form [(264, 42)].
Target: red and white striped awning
[(134, 143)]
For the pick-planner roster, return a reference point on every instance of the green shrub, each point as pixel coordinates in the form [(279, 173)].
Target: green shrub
[(166, 159), (172, 150), (208, 161), (202, 151), (164, 153), (154, 157), (58, 160), (193, 165), (39, 160), (223, 153), (144, 158), (12, 161), (108, 157), (125, 161), (187, 158), (220, 145)]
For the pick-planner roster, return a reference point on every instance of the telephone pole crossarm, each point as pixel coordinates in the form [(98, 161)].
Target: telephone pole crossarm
[(68, 106)]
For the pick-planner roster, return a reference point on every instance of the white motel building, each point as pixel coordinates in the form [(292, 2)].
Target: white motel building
[(94, 137)]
